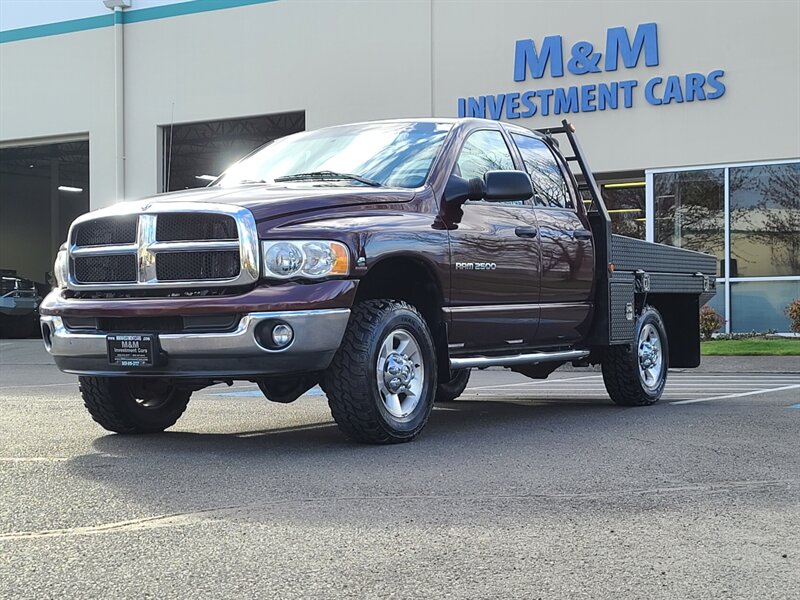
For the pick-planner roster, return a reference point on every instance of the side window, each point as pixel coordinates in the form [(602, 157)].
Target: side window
[(548, 181), (484, 150)]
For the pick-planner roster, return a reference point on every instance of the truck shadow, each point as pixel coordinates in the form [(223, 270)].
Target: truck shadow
[(449, 423), (472, 444)]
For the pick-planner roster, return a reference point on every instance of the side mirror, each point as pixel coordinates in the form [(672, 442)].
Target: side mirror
[(507, 185), (458, 190)]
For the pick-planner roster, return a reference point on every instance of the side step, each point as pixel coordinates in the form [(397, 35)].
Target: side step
[(480, 362)]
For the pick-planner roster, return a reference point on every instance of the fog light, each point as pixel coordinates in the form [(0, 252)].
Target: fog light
[(282, 335)]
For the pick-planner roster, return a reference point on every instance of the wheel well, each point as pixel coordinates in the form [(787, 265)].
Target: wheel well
[(407, 279)]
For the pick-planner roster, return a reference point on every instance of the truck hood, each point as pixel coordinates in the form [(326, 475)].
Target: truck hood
[(271, 201)]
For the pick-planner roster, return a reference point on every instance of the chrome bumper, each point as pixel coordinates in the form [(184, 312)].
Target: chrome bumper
[(238, 353)]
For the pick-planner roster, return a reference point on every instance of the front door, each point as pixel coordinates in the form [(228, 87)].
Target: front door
[(494, 260)]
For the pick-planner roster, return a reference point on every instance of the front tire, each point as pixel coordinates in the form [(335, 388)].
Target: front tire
[(382, 380), (636, 375), (133, 405)]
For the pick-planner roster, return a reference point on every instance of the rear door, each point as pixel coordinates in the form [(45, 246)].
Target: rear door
[(494, 253), (567, 248)]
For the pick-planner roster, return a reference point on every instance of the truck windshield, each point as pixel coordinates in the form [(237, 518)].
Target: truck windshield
[(397, 154)]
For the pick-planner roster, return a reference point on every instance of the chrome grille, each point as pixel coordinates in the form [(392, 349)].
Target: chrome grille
[(163, 244), (186, 227), (96, 269), (104, 232), (179, 266)]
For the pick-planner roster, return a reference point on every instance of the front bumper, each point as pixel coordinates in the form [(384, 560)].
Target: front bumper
[(232, 354)]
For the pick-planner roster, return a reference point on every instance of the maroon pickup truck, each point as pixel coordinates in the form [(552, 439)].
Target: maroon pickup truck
[(381, 261)]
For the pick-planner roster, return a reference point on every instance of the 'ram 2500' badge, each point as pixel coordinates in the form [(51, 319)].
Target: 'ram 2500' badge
[(479, 266)]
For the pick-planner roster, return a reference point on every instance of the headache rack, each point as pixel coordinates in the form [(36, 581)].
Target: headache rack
[(629, 270)]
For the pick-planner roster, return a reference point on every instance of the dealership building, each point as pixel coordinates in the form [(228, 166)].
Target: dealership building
[(689, 112)]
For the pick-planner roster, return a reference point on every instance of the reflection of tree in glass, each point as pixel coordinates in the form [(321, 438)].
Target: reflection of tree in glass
[(484, 151), (765, 213), (689, 210), (630, 223), (548, 181)]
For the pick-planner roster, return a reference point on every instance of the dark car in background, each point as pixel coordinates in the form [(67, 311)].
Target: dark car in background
[(19, 305)]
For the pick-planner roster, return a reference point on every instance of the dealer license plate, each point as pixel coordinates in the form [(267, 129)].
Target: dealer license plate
[(131, 350)]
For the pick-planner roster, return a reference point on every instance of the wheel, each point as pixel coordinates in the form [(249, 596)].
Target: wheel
[(451, 390), (382, 380), (635, 376), (133, 405)]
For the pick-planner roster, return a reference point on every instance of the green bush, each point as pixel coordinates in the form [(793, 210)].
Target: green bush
[(710, 322), (793, 312)]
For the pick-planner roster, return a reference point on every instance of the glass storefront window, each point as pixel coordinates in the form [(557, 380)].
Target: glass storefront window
[(690, 211), (765, 220), (760, 305), (626, 207), (762, 230)]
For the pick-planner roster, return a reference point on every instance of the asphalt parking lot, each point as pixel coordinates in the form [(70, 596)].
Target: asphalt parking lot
[(526, 489)]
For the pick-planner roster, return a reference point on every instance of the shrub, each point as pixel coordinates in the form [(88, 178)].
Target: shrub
[(793, 312), (710, 322)]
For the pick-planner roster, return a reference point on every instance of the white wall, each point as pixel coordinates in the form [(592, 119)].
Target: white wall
[(348, 60), (340, 61), (755, 42), (62, 86)]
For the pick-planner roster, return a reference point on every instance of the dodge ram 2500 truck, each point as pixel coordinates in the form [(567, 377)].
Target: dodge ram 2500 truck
[(379, 260)]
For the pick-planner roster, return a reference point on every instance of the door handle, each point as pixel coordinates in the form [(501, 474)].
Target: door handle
[(526, 232), (582, 234)]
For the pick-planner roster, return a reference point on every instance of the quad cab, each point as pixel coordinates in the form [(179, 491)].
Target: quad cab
[(382, 261)]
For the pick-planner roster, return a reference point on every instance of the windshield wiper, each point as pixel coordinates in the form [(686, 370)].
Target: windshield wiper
[(322, 175)]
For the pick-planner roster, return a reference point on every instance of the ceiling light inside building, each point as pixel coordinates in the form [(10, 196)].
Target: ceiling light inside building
[(206, 177), (68, 188), (629, 184)]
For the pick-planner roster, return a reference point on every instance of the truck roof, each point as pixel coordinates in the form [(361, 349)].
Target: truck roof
[(445, 120)]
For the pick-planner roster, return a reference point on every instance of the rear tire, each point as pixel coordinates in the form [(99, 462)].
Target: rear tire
[(636, 375), (133, 405), (382, 380), (449, 391)]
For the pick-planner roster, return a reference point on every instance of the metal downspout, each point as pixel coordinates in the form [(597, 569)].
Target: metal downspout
[(119, 103)]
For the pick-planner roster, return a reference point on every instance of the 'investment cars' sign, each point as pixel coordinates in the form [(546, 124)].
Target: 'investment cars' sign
[(583, 60)]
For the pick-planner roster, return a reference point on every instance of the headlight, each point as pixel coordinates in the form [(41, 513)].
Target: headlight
[(312, 258), (61, 268)]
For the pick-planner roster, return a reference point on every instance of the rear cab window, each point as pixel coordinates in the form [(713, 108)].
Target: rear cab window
[(549, 186)]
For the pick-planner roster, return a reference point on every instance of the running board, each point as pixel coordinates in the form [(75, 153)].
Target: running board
[(516, 359)]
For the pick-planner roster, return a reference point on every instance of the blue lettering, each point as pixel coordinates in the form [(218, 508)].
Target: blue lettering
[(607, 95), (495, 105), (619, 44), (648, 91), (527, 102), (694, 86), (512, 105), (476, 107), (584, 60), (714, 81), (672, 90), (545, 95), (627, 91), (462, 107), (588, 98), (565, 101), (526, 59)]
